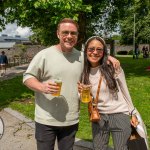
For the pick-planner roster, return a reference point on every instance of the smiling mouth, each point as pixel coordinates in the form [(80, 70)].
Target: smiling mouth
[(95, 57)]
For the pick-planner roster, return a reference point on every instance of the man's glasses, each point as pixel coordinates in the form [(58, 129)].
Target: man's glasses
[(92, 49), (72, 33)]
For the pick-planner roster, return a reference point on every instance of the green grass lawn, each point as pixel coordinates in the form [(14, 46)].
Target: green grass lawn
[(15, 95)]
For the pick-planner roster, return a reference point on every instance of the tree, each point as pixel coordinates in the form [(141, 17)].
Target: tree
[(43, 15), (141, 10)]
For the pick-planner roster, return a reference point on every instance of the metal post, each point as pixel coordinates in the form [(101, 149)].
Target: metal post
[(134, 38)]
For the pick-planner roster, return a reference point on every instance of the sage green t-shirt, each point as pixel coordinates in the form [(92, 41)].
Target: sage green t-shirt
[(48, 64)]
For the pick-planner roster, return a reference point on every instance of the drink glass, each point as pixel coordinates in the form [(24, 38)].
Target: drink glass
[(59, 84), (85, 94)]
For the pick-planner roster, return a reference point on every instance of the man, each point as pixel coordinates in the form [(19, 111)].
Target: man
[(3, 63), (56, 117)]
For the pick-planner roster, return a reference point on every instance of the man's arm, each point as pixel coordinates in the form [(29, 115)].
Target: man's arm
[(45, 87), (33, 84)]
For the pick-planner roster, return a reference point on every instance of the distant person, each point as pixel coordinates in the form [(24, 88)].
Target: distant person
[(3, 63), (57, 117), (143, 49), (146, 52), (136, 51)]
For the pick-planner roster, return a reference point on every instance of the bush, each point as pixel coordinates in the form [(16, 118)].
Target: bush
[(130, 52), (122, 53)]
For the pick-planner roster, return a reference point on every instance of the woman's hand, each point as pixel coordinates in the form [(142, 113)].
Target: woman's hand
[(79, 87), (134, 121)]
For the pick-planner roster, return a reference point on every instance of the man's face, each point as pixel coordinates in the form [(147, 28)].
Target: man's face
[(68, 35)]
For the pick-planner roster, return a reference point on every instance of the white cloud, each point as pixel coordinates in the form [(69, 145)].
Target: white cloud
[(13, 29), (25, 32)]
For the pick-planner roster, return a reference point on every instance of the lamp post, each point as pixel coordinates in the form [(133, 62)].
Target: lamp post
[(134, 38)]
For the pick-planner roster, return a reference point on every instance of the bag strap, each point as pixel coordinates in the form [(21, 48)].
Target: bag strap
[(98, 90)]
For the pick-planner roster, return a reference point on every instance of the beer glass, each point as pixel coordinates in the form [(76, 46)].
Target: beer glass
[(59, 84), (85, 94)]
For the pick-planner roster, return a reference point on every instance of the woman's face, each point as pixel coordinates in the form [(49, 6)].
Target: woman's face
[(95, 52)]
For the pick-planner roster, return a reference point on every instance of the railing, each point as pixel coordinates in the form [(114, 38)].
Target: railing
[(16, 61)]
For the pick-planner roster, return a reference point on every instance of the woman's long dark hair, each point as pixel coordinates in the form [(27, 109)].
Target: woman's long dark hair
[(107, 70)]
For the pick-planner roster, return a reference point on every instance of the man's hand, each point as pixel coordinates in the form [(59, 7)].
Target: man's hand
[(114, 61), (48, 87)]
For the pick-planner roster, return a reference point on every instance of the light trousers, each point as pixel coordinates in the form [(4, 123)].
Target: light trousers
[(116, 124), (3, 69)]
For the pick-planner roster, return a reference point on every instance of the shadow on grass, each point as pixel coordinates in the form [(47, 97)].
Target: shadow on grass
[(13, 90), (134, 67)]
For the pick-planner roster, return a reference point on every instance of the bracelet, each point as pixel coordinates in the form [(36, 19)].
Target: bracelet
[(131, 114)]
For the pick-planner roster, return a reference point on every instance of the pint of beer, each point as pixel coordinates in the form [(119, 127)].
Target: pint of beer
[(59, 83), (85, 94)]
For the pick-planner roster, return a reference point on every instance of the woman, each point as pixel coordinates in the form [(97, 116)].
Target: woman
[(114, 104)]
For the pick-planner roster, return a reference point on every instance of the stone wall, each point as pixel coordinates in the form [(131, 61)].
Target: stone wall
[(21, 54), (22, 50), (32, 50), (128, 47)]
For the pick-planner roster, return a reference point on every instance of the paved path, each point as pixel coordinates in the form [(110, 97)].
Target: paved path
[(13, 71), (19, 133)]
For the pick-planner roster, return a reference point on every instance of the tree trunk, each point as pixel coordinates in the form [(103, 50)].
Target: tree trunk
[(112, 47), (82, 29)]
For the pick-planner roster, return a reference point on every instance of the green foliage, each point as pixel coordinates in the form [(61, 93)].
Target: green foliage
[(11, 90), (116, 37), (25, 108), (141, 9), (94, 17), (122, 52), (138, 81), (22, 47), (85, 124), (43, 15), (130, 52)]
